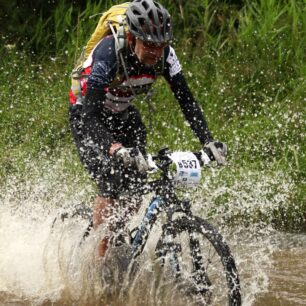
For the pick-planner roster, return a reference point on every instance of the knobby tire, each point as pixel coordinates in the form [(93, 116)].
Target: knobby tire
[(195, 225)]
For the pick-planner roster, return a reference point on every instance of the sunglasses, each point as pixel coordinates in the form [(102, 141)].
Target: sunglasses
[(152, 45)]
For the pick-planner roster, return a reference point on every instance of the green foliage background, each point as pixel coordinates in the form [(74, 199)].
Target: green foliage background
[(245, 63)]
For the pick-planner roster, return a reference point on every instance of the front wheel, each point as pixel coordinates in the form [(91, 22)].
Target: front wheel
[(198, 254)]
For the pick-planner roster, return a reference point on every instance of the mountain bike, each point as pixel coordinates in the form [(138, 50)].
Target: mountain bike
[(190, 245)]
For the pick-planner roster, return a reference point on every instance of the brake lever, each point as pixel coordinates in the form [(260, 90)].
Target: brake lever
[(153, 168), (204, 158)]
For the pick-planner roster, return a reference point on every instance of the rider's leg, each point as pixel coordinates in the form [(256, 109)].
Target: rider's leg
[(111, 184), (103, 209), (134, 136)]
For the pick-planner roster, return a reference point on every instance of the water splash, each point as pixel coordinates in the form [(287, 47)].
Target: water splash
[(43, 266)]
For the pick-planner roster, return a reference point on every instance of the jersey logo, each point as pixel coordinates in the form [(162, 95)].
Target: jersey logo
[(172, 60)]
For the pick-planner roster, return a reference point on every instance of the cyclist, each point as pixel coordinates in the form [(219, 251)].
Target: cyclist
[(106, 124)]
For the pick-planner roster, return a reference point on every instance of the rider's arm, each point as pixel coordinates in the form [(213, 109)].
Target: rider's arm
[(103, 72), (190, 107)]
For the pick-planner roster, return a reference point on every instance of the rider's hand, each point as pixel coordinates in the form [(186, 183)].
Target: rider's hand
[(217, 151), (131, 157)]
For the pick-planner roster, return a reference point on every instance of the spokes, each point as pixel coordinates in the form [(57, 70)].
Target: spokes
[(204, 260)]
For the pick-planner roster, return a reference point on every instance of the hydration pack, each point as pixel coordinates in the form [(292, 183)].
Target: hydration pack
[(111, 22)]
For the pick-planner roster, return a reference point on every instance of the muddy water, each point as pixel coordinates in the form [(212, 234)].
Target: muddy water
[(39, 269), (287, 279), (40, 266)]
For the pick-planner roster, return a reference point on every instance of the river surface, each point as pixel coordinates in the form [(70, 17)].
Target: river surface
[(40, 266), (34, 270), (287, 279)]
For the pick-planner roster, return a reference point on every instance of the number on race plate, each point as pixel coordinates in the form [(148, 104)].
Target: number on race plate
[(188, 170), (192, 164)]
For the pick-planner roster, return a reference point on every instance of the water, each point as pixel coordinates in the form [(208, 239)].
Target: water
[(287, 282), (40, 266)]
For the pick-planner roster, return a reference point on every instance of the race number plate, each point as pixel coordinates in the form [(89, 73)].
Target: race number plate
[(188, 169)]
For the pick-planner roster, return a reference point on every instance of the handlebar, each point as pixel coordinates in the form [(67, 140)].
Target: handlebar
[(163, 159)]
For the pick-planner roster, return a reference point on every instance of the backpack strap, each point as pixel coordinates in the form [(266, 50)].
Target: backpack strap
[(120, 45)]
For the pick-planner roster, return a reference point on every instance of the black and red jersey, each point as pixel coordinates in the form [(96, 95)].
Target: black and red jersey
[(107, 89)]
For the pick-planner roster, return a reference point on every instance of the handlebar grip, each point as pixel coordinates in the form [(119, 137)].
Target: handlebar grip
[(205, 158)]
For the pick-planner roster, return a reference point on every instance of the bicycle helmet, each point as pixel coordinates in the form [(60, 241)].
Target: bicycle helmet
[(149, 21)]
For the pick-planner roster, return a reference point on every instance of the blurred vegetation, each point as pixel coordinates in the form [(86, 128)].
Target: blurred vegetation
[(56, 27), (244, 60)]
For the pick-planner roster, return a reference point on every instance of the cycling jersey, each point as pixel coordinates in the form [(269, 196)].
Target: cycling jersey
[(107, 90)]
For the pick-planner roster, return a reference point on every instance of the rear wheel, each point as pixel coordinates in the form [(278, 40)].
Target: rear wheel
[(79, 211), (198, 255)]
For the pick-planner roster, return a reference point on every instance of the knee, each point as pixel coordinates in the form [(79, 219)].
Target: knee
[(102, 210)]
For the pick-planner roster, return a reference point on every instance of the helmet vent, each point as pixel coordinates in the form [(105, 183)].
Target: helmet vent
[(151, 17), (136, 12), (141, 21), (145, 5)]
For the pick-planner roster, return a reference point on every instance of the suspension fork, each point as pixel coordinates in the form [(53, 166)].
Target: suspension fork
[(199, 271), (167, 246)]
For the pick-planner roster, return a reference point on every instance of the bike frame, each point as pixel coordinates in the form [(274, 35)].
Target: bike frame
[(165, 200)]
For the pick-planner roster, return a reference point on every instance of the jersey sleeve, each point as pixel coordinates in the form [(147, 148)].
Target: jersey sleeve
[(190, 107), (103, 71), (104, 65)]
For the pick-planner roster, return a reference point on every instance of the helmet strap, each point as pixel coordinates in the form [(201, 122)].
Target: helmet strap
[(131, 39)]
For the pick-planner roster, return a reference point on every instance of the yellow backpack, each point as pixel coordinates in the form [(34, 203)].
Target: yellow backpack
[(111, 22)]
